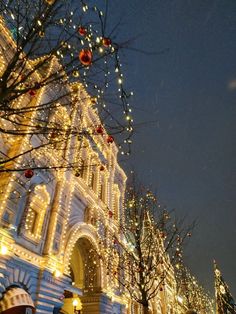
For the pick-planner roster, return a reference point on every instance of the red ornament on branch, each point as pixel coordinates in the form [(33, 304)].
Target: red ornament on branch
[(110, 214), (99, 129), (110, 139), (54, 134), (32, 92), (82, 30), (102, 168), (85, 56), (106, 42), (29, 173)]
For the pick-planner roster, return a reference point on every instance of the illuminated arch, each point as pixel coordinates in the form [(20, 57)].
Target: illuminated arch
[(78, 231), (83, 232), (33, 213), (37, 206)]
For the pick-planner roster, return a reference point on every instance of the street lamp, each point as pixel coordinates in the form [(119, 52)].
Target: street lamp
[(75, 303)]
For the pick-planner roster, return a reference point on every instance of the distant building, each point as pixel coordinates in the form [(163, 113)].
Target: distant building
[(191, 296)]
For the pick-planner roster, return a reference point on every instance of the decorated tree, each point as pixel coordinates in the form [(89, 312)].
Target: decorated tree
[(192, 294), (150, 242), (224, 300), (55, 55)]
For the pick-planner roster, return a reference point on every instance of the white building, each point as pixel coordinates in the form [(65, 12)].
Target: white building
[(56, 225)]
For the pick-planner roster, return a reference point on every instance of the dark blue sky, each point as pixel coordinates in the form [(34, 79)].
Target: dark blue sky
[(188, 154)]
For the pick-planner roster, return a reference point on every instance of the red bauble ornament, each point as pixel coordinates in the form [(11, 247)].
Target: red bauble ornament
[(161, 289), (29, 173), (110, 139), (85, 56), (106, 42), (110, 214), (99, 129), (54, 134), (32, 92), (162, 234), (82, 31), (102, 168)]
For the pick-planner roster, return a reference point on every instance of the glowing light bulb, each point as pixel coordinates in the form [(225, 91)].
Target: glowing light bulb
[(75, 302), (4, 250), (57, 273)]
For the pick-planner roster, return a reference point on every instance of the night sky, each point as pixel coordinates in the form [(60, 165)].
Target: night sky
[(188, 88)]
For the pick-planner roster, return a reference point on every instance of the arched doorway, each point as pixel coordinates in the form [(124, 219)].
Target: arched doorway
[(16, 301), (85, 266), (85, 272)]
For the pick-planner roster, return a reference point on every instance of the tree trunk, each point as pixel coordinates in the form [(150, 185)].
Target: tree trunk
[(145, 309)]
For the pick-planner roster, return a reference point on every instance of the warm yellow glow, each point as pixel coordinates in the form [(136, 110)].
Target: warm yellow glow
[(180, 299), (3, 250), (57, 273), (75, 302), (38, 202)]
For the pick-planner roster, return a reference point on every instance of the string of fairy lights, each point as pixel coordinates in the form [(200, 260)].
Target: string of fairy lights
[(80, 57), (89, 38), (191, 294), (84, 66), (224, 300)]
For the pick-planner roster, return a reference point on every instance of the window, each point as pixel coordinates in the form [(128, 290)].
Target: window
[(35, 212), (103, 192), (83, 169), (56, 245), (7, 216), (59, 124), (33, 217), (116, 201), (93, 181), (59, 228), (56, 242)]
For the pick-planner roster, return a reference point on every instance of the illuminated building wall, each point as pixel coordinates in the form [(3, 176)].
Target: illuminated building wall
[(57, 225)]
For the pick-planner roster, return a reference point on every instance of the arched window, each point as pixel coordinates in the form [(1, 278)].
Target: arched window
[(35, 212), (59, 124), (93, 179), (82, 169), (84, 166)]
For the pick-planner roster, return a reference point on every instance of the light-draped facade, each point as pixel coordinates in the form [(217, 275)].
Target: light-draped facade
[(57, 225)]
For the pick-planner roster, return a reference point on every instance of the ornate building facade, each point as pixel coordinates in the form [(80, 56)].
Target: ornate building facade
[(57, 224)]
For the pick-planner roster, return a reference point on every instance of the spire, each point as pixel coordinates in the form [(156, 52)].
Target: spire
[(224, 301)]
